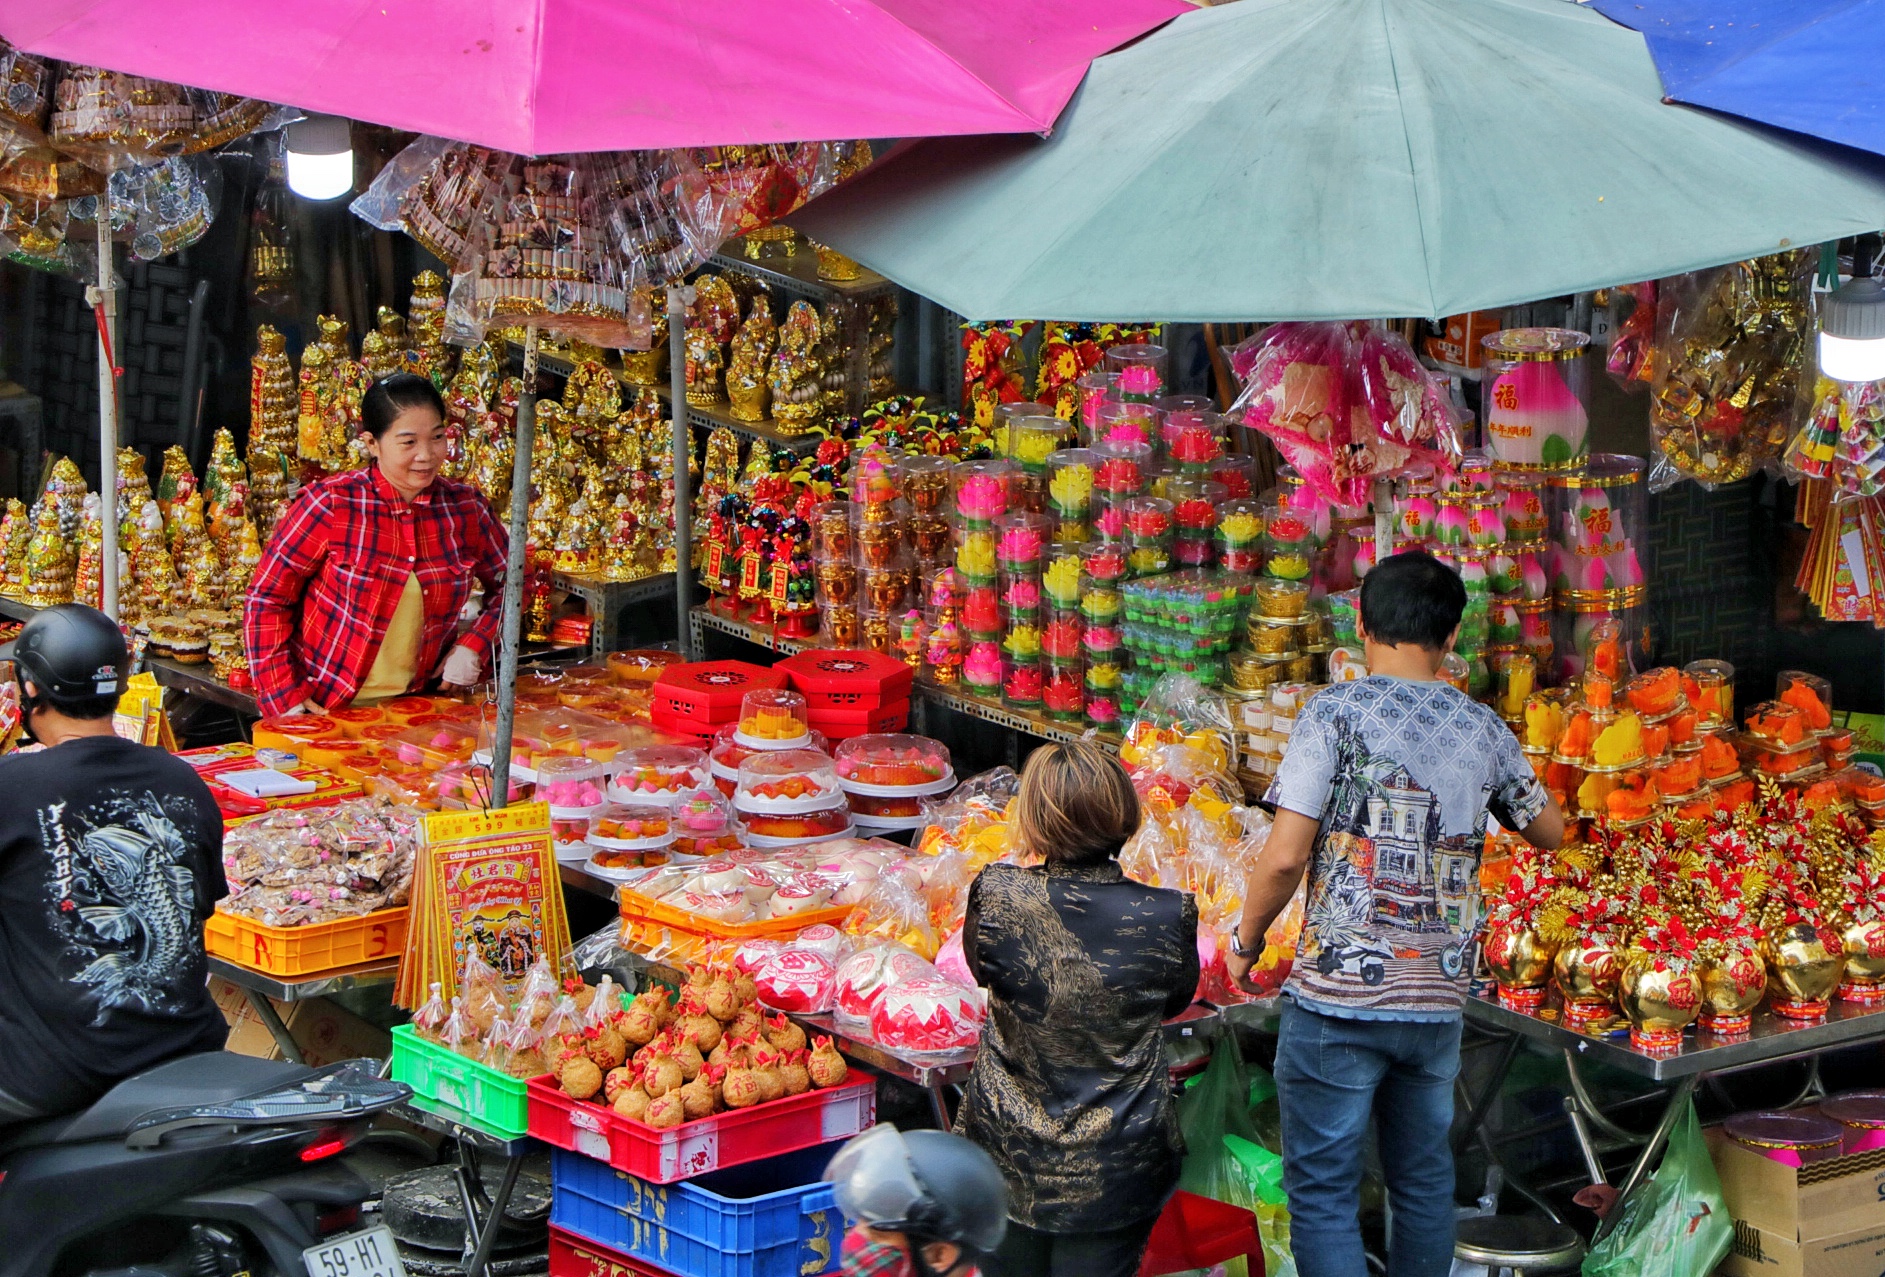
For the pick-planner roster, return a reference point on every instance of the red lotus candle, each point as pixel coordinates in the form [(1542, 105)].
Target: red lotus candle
[(1063, 693), (1122, 467), (1149, 518), (1060, 637)]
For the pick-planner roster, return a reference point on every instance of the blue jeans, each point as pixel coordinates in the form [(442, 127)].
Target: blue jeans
[(1331, 1074)]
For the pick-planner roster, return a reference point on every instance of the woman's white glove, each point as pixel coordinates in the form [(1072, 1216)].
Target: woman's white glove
[(461, 666)]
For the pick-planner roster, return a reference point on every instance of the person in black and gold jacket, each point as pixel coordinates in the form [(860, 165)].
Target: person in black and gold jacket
[(1070, 1093)]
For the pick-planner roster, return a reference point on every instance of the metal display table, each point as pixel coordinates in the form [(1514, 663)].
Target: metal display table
[(258, 987), (1772, 1040), (607, 600), (483, 1214)]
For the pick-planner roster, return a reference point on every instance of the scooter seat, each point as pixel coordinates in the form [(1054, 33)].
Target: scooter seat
[(215, 1077)]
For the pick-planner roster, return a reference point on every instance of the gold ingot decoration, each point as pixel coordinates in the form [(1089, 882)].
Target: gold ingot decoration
[(1661, 995), (1587, 975), (1732, 986), (771, 241), (1521, 964), (1802, 974), (1864, 944)]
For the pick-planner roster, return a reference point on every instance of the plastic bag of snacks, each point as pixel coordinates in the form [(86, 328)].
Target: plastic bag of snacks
[(299, 866), (1731, 343), (974, 819), (1180, 711), (896, 910), (797, 979)]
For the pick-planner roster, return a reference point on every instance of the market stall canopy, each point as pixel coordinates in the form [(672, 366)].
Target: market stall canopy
[(1318, 159), (1807, 65), (543, 76)]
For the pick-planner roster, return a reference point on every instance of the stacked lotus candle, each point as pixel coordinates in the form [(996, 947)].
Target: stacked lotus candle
[(1598, 520)]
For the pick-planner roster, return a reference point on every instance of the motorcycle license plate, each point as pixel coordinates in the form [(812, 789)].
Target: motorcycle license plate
[(364, 1254)]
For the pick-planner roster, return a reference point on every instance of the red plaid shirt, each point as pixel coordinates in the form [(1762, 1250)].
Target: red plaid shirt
[(330, 581)]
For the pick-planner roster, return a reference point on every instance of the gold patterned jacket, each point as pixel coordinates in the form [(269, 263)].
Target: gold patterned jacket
[(1070, 1093)]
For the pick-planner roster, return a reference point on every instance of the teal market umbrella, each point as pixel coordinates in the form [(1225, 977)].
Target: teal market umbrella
[(1319, 159)]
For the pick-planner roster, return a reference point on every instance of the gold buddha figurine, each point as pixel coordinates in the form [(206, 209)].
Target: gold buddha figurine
[(746, 370), (715, 307), (798, 369), (833, 401), (383, 350), (704, 365)]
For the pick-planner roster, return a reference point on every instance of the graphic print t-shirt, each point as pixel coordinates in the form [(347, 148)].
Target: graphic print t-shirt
[(1400, 775), (110, 860)]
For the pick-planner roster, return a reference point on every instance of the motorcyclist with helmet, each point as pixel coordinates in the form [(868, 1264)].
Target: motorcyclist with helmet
[(923, 1204), (110, 860)]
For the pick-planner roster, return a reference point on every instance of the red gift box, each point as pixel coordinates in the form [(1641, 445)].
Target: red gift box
[(843, 724), (699, 696), (846, 679)]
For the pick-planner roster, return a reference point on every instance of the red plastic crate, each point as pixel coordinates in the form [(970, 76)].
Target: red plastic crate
[(573, 1255), (699, 696), (848, 679), (842, 724), (694, 1148)]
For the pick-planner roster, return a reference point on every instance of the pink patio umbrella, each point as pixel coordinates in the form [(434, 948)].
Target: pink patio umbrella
[(543, 76)]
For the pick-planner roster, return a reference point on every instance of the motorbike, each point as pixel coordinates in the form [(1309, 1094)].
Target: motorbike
[(207, 1165)]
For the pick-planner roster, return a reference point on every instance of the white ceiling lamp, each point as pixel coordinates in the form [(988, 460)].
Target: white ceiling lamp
[(1852, 323), (320, 157)]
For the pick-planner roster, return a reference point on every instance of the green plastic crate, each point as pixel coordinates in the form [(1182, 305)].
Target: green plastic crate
[(493, 1101)]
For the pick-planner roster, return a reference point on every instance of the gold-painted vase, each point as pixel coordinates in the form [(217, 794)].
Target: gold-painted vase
[(1587, 973), (1731, 988), (1662, 995), (1521, 964), (1864, 943), (1802, 974)]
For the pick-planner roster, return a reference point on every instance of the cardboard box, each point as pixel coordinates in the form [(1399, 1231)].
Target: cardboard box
[(1759, 1253), (325, 1033), (1825, 1219)]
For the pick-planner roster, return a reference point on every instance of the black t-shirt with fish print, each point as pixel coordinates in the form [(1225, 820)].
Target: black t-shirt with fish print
[(110, 860)]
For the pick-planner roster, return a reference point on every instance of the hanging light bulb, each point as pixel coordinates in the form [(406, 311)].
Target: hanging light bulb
[(1852, 323), (320, 157)]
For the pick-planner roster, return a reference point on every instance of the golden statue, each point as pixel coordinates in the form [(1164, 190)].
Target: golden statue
[(837, 360), (16, 531), (715, 308), (704, 364), (49, 561), (271, 393), (746, 371), (383, 351), (798, 369)]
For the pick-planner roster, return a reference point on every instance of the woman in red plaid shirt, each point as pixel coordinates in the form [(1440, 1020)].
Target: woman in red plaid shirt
[(358, 595)]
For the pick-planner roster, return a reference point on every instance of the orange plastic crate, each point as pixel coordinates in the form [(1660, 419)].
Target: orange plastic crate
[(309, 950), (649, 926)]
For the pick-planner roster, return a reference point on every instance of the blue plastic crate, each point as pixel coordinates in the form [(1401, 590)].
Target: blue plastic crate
[(774, 1218)]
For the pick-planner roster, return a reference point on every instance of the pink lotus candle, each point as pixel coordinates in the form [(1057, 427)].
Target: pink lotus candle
[(981, 490), (1536, 380), (1109, 522), (1117, 422), (1485, 526), (1534, 583), (1023, 594), (1092, 390), (981, 668), (1102, 642), (1414, 514), (1141, 369), (1451, 527), (1022, 537)]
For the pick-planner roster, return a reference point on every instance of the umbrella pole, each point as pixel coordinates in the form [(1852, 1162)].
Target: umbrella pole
[(105, 299), (1383, 519), (512, 631), (683, 452)]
